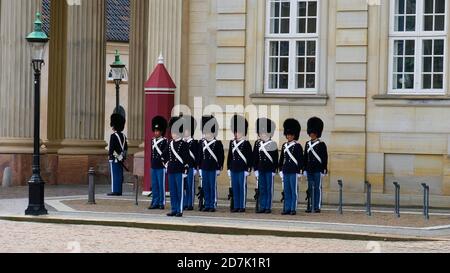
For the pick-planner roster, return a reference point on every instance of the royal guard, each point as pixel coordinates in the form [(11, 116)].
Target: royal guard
[(190, 125), (265, 155), (176, 158), (291, 165), (118, 148), (316, 164), (240, 162), (158, 170), (211, 160)]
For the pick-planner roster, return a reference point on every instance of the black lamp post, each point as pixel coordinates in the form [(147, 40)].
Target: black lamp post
[(38, 41), (118, 73)]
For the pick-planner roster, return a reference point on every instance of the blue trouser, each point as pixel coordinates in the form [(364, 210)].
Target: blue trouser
[(316, 180), (176, 186), (158, 187), (116, 177), (239, 185), (189, 193), (290, 183), (265, 184), (210, 189)]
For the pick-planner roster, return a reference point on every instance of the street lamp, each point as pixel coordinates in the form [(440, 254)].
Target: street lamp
[(38, 41), (118, 73)]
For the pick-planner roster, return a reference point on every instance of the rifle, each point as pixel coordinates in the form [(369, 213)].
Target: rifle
[(120, 159), (230, 195), (123, 166), (257, 195), (201, 195)]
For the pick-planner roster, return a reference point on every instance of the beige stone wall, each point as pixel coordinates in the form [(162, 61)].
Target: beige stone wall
[(377, 139), (408, 139)]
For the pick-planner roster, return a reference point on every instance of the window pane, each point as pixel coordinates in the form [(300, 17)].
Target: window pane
[(301, 65), (428, 47), (409, 81), (284, 65), (302, 9), (428, 24), (284, 81), (273, 65), (284, 48), (301, 48), (273, 48), (310, 81), (429, 6), (438, 64), (400, 6), (439, 24), (398, 64), (409, 64), (274, 9), (400, 23), (285, 28), (410, 23), (410, 6), (426, 81), (301, 25), (312, 25), (398, 48), (438, 81), (300, 81), (312, 8), (410, 47), (311, 48), (285, 9), (440, 6), (397, 82), (311, 65), (427, 64), (438, 47), (273, 81)]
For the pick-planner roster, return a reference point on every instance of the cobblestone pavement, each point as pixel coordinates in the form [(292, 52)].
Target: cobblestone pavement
[(44, 238)]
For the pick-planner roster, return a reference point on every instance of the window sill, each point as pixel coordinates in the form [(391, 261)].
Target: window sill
[(411, 100), (289, 99)]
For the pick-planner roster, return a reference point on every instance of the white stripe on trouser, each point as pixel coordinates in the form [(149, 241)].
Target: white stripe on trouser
[(193, 188), (296, 192), (271, 197), (244, 192), (112, 176), (182, 194), (164, 187), (215, 197), (320, 192)]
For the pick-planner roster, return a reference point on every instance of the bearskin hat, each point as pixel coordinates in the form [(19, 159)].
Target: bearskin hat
[(189, 123), (292, 127), (176, 125), (239, 124), (315, 125), (159, 123), (117, 122), (210, 125), (265, 125)]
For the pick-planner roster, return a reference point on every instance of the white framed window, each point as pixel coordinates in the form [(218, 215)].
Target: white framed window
[(418, 47), (292, 46)]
